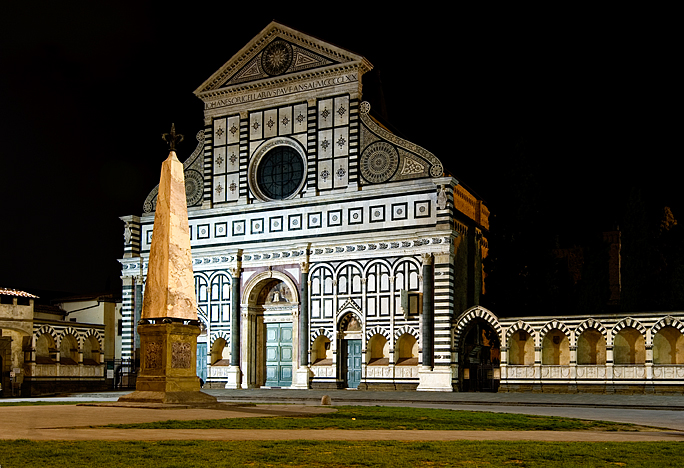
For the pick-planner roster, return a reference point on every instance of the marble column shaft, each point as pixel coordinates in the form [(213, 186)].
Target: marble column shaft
[(428, 328)]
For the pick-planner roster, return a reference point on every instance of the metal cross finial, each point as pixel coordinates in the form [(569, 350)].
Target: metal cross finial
[(172, 138)]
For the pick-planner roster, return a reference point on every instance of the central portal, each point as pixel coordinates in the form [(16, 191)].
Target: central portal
[(278, 354), (269, 331)]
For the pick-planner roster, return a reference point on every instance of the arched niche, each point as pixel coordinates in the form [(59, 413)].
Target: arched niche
[(591, 348), (555, 348), (629, 347)]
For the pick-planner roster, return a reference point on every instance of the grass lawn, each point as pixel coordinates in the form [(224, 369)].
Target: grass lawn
[(256, 454), (390, 417)]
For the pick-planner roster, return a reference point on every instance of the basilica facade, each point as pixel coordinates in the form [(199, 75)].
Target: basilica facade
[(330, 253), (327, 251)]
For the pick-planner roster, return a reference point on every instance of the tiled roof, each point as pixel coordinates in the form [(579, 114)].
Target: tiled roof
[(16, 292)]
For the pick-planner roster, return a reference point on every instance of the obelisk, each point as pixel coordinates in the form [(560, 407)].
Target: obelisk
[(169, 327)]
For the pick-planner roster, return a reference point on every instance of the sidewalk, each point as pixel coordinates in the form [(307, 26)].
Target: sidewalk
[(345, 397), (665, 402)]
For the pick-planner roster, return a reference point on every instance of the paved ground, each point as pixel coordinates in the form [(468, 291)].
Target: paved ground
[(51, 422)]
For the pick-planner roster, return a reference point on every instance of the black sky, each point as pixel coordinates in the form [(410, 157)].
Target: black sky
[(86, 90)]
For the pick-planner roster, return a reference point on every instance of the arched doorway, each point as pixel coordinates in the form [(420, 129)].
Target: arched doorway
[(480, 357), (351, 346), (269, 333)]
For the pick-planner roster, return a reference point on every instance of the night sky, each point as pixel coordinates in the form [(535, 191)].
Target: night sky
[(86, 92)]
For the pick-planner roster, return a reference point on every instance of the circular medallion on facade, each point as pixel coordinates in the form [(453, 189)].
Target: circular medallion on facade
[(194, 184), (379, 162), (437, 170), (277, 57)]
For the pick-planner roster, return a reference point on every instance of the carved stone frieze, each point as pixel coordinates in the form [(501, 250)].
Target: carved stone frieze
[(153, 355), (181, 355)]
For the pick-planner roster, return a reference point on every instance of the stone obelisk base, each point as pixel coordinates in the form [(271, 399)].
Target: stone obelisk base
[(168, 365)]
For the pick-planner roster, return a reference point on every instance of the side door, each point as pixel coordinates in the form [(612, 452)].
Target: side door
[(202, 361), (353, 363)]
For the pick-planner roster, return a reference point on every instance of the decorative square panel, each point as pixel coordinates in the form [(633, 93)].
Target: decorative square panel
[(325, 145), (341, 108), (271, 123), (257, 226), (295, 222), (325, 174), (239, 228), (203, 231), (233, 127), (355, 216), (335, 218), (276, 224), (341, 141), (149, 236), (341, 172), (377, 214), (421, 209), (221, 230), (255, 126), (220, 132), (220, 189), (399, 211), (315, 220), (232, 158), (325, 113), (220, 160), (232, 187), (285, 120), (299, 121)]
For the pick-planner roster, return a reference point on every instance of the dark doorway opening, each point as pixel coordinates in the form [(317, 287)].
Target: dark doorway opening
[(480, 358)]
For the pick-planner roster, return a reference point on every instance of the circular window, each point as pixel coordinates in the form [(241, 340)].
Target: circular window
[(278, 170)]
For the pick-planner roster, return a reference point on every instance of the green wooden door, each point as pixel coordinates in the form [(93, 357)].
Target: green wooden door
[(352, 363), (278, 354)]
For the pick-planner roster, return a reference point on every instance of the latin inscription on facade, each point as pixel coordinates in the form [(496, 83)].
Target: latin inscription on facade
[(283, 91)]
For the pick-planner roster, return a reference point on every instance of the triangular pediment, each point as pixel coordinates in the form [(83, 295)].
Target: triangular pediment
[(279, 52)]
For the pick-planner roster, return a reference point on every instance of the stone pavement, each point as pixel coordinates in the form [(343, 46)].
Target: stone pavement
[(66, 422)]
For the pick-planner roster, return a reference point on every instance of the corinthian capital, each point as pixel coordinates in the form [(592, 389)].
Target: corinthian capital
[(426, 258)]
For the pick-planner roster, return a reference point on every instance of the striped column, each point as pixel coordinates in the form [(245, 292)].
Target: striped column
[(304, 315), (444, 284), (235, 317), (427, 329)]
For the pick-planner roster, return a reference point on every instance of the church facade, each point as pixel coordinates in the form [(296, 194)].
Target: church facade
[(330, 253), (327, 251)]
